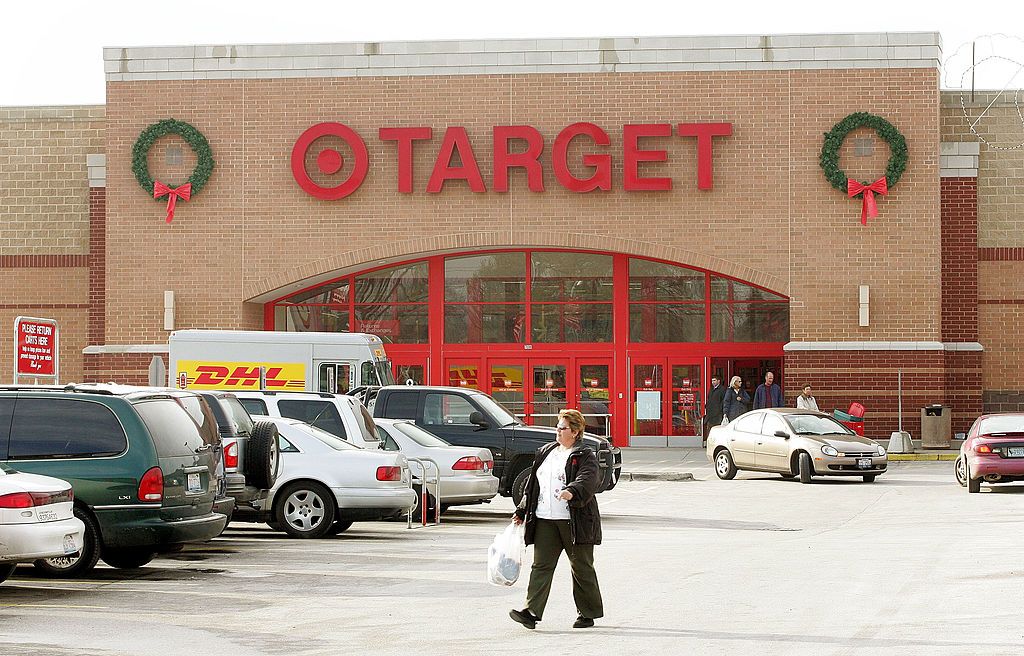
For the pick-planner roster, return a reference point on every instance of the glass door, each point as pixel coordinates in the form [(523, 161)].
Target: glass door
[(548, 392), (686, 399), (463, 372), (594, 396), (507, 386), (410, 369), (647, 400)]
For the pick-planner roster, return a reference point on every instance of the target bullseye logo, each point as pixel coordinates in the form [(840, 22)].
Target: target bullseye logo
[(330, 161)]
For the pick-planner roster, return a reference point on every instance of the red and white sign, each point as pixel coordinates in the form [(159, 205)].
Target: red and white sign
[(36, 347)]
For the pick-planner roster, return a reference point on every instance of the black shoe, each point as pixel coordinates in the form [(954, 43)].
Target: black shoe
[(583, 623), (526, 618)]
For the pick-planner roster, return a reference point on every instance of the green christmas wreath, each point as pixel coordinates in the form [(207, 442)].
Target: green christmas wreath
[(193, 137), (886, 131)]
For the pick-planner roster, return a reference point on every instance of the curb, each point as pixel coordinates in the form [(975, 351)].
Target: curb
[(658, 476), (918, 457)]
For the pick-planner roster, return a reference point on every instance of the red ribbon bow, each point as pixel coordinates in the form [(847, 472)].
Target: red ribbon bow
[(183, 192), (868, 208)]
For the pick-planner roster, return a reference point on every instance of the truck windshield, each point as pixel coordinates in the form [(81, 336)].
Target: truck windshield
[(496, 410), (376, 373)]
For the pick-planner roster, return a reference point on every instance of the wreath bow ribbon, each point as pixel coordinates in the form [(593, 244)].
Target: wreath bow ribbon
[(183, 192), (868, 207)]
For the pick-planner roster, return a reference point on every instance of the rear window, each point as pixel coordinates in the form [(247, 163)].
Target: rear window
[(420, 436), (368, 429), (203, 416), (402, 405), (321, 414), (240, 412), (66, 428), (253, 407), (173, 431), (1005, 424)]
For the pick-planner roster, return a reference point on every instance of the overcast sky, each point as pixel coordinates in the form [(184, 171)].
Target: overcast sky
[(51, 51)]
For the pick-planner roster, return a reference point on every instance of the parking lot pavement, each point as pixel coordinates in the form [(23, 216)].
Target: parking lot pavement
[(911, 564)]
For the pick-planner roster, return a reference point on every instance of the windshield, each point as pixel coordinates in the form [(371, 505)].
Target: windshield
[(495, 409), (420, 436), (815, 425), (329, 439), (1002, 424), (384, 372)]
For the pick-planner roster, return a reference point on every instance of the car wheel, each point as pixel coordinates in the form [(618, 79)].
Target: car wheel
[(262, 458), (519, 485), (973, 484), (6, 571), (306, 510), (806, 468), (725, 468), (340, 526), (127, 558), (80, 563), (869, 478), (960, 470)]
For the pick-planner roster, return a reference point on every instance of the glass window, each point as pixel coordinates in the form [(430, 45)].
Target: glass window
[(406, 283), (321, 414), (497, 411), (816, 425), (305, 318), (334, 293), (203, 416), (420, 436), (254, 407), (570, 277), (475, 324), (723, 289), (1002, 424), (464, 375), (750, 423), (396, 324), (572, 322), (654, 281), (388, 442), (773, 423), (447, 409), (750, 322), (367, 427), (333, 377), (666, 322), (402, 405), (65, 428), (284, 446), (493, 277), (173, 431)]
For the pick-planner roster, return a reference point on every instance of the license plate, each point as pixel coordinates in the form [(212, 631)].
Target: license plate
[(1015, 452), (46, 515), (194, 485), (69, 544), (864, 463)]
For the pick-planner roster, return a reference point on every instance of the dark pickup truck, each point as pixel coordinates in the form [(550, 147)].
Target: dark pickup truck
[(468, 417)]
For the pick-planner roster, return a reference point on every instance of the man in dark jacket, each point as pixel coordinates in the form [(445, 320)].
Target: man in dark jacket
[(768, 394), (713, 407)]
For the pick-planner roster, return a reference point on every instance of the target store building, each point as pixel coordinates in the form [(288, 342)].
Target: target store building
[(592, 223)]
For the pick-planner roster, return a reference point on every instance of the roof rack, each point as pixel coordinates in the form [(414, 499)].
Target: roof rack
[(69, 387)]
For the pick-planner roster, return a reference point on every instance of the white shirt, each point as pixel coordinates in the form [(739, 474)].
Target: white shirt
[(806, 404), (551, 478)]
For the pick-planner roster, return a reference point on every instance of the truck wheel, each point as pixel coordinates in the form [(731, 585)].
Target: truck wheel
[(262, 458), (519, 485), (75, 564)]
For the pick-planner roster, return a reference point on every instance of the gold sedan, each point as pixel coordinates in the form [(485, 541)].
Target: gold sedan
[(793, 443)]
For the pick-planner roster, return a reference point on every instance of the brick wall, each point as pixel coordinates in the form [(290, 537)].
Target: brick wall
[(959, 260)]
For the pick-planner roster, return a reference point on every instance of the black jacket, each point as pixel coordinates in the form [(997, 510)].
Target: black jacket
[(713, 407), (583, 476), (735, 403)]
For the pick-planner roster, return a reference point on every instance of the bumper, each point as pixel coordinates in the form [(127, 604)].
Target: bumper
[(388, 499), (24, 542), (146, 527), (827, 466), (985, 465), (466, 489), (224, 506), (244, 495)]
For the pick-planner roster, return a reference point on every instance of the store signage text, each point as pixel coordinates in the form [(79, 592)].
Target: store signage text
[(513, 147), (35, 347)]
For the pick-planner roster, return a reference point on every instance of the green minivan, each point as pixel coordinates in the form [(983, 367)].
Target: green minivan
[(140, 469)]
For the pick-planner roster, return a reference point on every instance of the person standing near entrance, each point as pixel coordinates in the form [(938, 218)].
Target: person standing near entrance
[(560, 511), (713, 410), (768, 394), (736, 400), (805, 401)]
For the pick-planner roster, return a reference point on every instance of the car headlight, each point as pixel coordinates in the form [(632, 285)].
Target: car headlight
[(881, 450), (829, 450)]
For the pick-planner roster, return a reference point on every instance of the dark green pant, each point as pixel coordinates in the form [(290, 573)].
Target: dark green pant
[(551, 538)]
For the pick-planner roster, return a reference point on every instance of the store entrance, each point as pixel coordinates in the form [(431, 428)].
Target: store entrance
[(751, 371), (665, 401)]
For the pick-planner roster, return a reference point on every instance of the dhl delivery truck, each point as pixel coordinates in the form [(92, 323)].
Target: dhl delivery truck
[(285, 361)]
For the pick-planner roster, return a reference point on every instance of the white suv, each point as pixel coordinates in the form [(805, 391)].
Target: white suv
[(339, 414)]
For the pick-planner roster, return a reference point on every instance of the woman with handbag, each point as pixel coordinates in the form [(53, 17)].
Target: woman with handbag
[(560, 511), (736, 401)]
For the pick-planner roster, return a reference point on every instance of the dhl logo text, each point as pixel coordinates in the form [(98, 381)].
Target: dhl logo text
[(241, 375)]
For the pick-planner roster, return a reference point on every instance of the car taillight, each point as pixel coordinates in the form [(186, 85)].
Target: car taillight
[(231, 455), (30, 499), (151, 487), (983, 448), (389, 473), (469, 462), (16, 500)]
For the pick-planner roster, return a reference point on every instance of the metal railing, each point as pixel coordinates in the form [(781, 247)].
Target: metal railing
[(424, 500)]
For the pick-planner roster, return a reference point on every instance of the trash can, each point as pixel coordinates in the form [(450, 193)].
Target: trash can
[(936, 427)]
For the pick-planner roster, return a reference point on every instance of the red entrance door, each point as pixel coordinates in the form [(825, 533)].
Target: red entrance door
[(665, 400)]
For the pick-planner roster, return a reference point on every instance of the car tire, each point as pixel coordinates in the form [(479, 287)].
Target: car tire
[(973, 484), (519, 485), (340, 526), (869, 478), (960, 471), (6, 571), (725, 468), (806, 468), (127, 558), (72, 566), (305, 510), (262, 457)]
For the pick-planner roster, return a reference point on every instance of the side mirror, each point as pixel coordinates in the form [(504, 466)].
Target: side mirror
[(782, 433), (477, 417)]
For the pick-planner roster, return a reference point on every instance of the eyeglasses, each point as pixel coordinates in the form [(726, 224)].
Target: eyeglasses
[(563, 427)]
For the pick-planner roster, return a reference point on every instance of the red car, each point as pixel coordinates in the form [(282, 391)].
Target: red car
[(993, 451)]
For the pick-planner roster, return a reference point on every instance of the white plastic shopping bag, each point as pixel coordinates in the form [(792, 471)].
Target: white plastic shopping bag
[(505, 557)]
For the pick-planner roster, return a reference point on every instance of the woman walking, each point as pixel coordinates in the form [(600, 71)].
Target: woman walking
[(560, 511), (736, 401)]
